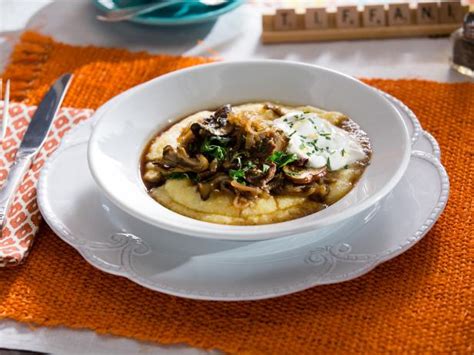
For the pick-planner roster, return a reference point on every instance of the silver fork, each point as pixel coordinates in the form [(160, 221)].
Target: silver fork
[(6, 106)]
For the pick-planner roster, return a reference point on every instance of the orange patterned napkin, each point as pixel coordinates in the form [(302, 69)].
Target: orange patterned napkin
[(24, 217), (420, 302)]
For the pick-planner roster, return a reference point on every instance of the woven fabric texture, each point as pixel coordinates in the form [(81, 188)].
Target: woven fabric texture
[(422, 301)]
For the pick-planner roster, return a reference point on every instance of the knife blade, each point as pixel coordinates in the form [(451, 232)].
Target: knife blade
[(38, 128), (32, 142)]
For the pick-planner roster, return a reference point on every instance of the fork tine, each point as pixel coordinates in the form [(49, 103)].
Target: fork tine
[(6, 107)]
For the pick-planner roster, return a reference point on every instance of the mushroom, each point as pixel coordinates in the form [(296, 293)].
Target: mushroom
[(303, 176), (274, 108), (220, 115), (213, 166), (218, 182), (180, 159), (216, 125), (264, 144), (153, 176), (276, 185), (258, 178), (253, 191), (155, 173), (204, 190)]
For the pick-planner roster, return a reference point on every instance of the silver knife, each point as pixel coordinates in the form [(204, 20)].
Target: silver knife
[(32, 142)]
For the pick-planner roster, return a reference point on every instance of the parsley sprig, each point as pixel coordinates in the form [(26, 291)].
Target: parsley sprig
[(215, 147), (239, 174), (281, 158)]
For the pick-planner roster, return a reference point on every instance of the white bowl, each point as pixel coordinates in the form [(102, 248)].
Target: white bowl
[(126, 125)]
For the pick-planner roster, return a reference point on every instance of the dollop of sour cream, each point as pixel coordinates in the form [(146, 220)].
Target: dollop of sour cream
[(320, 142)]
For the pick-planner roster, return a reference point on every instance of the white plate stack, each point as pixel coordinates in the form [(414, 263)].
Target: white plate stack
[(371, 225)]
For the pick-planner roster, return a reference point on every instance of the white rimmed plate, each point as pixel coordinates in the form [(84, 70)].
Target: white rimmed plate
[(225, 270)]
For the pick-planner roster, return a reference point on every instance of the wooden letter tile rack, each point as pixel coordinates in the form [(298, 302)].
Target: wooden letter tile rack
[(371, 22)]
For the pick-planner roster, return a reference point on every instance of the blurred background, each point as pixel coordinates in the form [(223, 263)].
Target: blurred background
[(234, 35)]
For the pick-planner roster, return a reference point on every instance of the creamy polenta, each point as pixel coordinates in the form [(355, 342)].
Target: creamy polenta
[(255, 163)]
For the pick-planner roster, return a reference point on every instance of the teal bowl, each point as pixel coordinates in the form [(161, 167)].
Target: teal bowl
[(190, 12)]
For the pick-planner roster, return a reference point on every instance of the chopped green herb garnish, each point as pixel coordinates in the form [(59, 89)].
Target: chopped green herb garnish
[(346, 166), (328, 164), (281, 158), (313, 143), (214, 148), (238, 175), (249, 165), (343, 152), (291, 134)]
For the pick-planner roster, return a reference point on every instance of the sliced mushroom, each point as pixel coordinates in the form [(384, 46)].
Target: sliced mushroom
[(303, 176), (153, 176), (217, 182), (156, 173), (213, 166), (274, 108), (275, 186), (259, 178), (253, 191), (220, 115), (178, 158), (204, 190), (216, 125)]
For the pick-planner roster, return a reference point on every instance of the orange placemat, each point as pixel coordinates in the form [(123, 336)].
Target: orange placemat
[(421, 301)]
